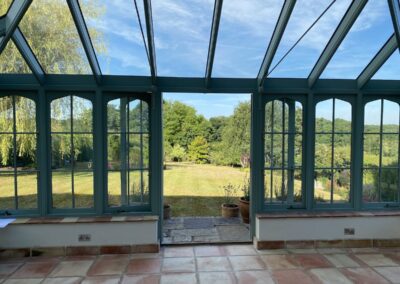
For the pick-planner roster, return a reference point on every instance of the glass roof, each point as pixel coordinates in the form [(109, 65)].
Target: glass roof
[(50, 30), (368, 34), (299, 62), (391, 69), (115, 33), (245, 30), (4, 5), (182, 33), (11, 60)]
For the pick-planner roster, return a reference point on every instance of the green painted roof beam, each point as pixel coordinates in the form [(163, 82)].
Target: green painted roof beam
[(280, 27), (379, 59), (150, 39), (394, 7), (27, 53), (85, 38), (213, 40), (340, 33), (11, 20)]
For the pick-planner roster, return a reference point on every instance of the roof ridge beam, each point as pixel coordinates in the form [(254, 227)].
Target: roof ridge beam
[(213, 40), (27, 53), (338, 36), (377, 62), (12, 19), (273, 45), (84, 35), (150, 39), (394, 7)]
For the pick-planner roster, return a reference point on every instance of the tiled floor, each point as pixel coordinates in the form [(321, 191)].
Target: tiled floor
[(212, 265), (183, 230)]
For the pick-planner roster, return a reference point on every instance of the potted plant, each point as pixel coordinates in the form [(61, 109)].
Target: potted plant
[(244, 201), (229, 209), (167, 211)]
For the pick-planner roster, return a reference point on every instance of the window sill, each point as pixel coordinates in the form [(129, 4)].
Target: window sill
[(333, 214)]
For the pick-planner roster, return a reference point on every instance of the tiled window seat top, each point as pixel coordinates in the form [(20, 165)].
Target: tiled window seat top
[(327, 214), (77, 220)]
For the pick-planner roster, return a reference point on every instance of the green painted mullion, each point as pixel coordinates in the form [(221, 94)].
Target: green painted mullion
[(44, 155), (332, 146), (15, 152), (357, 152), (99, 133), (123, 148), (308, 158), (72, 150), (291, 145), (380, 152)]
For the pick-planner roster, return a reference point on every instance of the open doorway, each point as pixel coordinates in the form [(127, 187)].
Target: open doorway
[(206, 168)]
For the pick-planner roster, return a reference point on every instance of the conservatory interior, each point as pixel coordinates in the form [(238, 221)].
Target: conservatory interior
[(81, 118)]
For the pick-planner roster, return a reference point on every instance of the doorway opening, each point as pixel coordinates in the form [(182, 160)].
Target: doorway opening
[(206, 168)]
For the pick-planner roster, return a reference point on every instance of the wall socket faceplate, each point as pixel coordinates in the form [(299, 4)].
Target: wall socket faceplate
[(84, 237), (349, 231)]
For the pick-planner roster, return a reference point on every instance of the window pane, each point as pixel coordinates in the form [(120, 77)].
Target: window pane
[(82, 110), (26, 151), (372, 117), (11, 60), (370, 185), (146, 150), (323, 150), (342, 116), (389, 185), (341, 186), (390, 117), (298, 195), (299, 117), (278, 154), (298, 150), (61, 151), (138, 116), (62, 189), (323, 116), (269, 121), (342, 151), (7, 152), (25, 110), (83, 188), (4, 5), (322, 186), (114, 188), (138, 187), (371, 150), (267, 185), (61, 115), (114, 116), (135, 155), (7, 191), (268, 150), (83, 148), (6, 114), (27, 190), (388, 71), (113, 152), (390, 150)]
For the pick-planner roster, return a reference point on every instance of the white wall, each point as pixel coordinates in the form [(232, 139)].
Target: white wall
[(53, 235), (332, 228)]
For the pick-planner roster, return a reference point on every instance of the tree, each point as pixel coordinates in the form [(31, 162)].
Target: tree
[(199, 150), (178, 153)]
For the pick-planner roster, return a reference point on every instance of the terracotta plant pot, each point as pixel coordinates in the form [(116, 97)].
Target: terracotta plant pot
[(229, 210), (167, 211), (244, 210)]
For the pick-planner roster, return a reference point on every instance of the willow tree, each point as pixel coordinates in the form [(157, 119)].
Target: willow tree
[(51, 33)]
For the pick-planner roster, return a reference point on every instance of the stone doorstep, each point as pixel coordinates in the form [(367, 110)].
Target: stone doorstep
[(345, 243), (77, 250)]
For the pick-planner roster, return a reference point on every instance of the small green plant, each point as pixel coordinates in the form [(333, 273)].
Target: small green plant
[(245, 188), (230, 191)]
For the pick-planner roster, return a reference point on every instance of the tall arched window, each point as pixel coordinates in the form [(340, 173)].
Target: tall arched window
[(333, 126), (127, 153), (72, 152), (381, 167), (18, 157), (283, 152)]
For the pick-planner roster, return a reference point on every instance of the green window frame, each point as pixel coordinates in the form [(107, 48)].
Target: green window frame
[(128, 163), (19, 154)]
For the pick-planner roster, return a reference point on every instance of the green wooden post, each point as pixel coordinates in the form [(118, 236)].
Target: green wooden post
[(99, 134), (357, 151), (309, 141), (123, 150), (257, 159), (290, 150)]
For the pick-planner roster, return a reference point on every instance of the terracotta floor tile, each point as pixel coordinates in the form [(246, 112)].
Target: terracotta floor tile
[(62, 280), (71, 268), (210, 251), (273, 251), (291, 276), (332, 250), (213, 263), (109, 265), (376, 259), (364, 250), (178, 278), (146, 255), (178, 252), (142, 266), (141, 279), (246, 263), (341, 260), (217, 278), (303, 251), (101, 280), (23, 281), (330, 275), (240, 250), (8, 268), (184, 264), (279, 261), (390, 273), (34, 270), (312, 261), (254, 277), (363, 275)]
